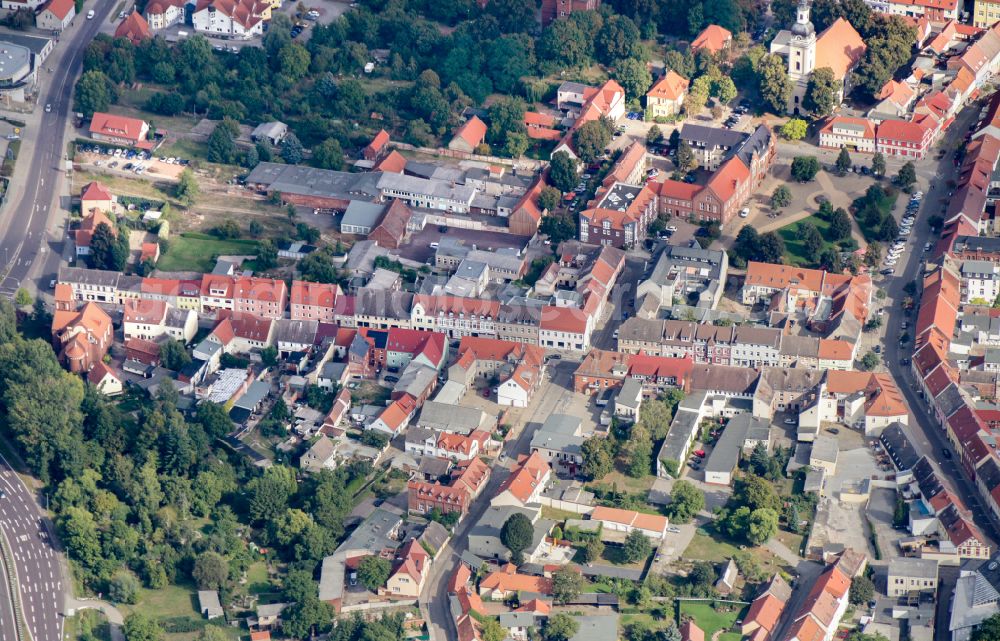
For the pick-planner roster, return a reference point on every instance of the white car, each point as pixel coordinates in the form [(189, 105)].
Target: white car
[(48, 108), (672, 228), (90, 15), (744, 212)]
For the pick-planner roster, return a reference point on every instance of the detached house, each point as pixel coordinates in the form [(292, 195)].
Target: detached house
[(133, 28), (525, 484), (666, 98), (56, 15), (82, 337), (239, 19), (409, 572), (85, 233), (161, 14), (469, 136), (119, 130), (712, 39)]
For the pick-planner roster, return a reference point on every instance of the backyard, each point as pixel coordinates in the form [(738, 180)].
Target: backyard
[(192, 251), (708, 546), (712, 617), (176, 608)]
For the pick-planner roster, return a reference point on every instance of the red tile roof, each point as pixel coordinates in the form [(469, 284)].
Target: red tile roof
[(839, 47), (60, 8), (145, 311), (394, 162), (472, 131), (313, 294), (670, 87), (712, 38), (95, 191), (134, 27), (529, 474), (563, 319), (902, 131), (117, 126)]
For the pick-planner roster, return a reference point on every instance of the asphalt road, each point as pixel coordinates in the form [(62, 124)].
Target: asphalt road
[(928, 438), (24, 217), (39, 571), (435, 598)]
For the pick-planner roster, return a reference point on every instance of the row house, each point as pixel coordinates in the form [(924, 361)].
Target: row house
[(91, 285), (313, 301), (151, 319), (265, 297), (455, 316), (933, 10), (179, 293), (565, 328), (904, 139), (466, 484), (855, 134)]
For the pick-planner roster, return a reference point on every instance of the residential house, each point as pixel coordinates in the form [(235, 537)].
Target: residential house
[(905, 139), (502, 583), (133, 28), (264, 297), (766, 609), (713, 39), (105, 380), (313, 301), (119, 130), (559, 442), (559, 9), (526, 482), (819, 615), (378, 146), (613, 519), (466, 483), (909, 577), (666, 97), (55, 15), (410, 570), (84, 234), (161, 14), (854, 134), (469, 136), (237, 19), (321, 455)]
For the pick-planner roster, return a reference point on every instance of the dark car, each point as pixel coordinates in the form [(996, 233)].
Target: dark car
[(391, 379), (946, 452)]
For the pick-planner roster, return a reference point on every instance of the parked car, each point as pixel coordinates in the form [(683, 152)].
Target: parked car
[(391, 379), (790, 421), (699, 453)]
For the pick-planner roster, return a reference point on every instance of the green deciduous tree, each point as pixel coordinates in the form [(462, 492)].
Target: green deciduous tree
[(591, 139), (794, 129), (781, 197), (907, 175), (634, 77), (686, 501), (843, 162), (558, 627), (618, 39), (141, 627), (93, 93), (762, 526), (291, 149), (878, 164), (210, 571), (549, 198), (516, 535), (567, 583), (821, 93), (593, 549), (21, 297), (187, 189), (310, 616), (108, 249), (373, 572), (804, 168), (221, 142), (328, 155), (598, 457), (773, 84), (636, 547), (563, 171), (862, 590), (840, 225)]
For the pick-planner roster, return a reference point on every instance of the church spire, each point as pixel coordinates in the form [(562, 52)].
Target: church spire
[(803, 26)]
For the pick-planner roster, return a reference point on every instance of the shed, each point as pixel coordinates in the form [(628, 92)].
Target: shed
[(272, 132), (208, 603)]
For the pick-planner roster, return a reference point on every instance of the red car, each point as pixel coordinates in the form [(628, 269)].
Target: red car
[(699, 453), (486, 392)]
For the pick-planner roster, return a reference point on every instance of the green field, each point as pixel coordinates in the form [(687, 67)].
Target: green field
[(197, 252), (711, 620), (795, 251)]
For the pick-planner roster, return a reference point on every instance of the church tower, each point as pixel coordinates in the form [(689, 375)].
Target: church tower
[(802, 45)]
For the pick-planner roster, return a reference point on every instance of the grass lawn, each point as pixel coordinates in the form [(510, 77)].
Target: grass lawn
[(555, 514), (626, 483), (197, 252), (795, 251), (370, 393), (258, 581), (131, 102), (648, 621), (88, 621), (709, 619), (183, 148), (171, 601)]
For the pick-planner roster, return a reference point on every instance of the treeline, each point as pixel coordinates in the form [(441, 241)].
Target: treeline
[(146, 498)]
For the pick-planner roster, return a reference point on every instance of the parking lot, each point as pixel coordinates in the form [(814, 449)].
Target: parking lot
[(124, 161)]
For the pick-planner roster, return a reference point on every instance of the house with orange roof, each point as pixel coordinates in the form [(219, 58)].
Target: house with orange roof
[(507, 581), (105, 379), (133, 28), (819, 615), (161, 14), (526, 482), (905, 139), (81, 336), (411, 566), (526, 215), (393, 162), (240, 19), (855, 134), (713, 39), (665, 98), (313, 301), (565, 328), (217, 292), (265, 297), (541, 126), (88, 227), (56, 15), (588, 103), (120, 130), (377, 147), (766, 609), (895, 98), (612, 519), (395, 418), (467, 482), (470, 135), (691, 632), (839, 48), (96, 197)]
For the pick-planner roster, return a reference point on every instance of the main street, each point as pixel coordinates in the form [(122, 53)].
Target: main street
[(26, 246), (928, 438), (553, 397)]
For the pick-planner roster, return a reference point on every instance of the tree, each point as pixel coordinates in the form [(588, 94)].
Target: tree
[(843, 162), (773, 84), (549, 198), (593, 549), (123, 587), (636, 547), (762, 526), (591, 139), (506, 121), (804, 168), (755, 493), (516, 535), (187, 189), (93, 93), (291, 149), (686, 501), (618, 39), (697, 97), (21, 297), (869, 361), (373, 572), (567, 583), (563, 171), (267, 255), (873, 254), (308, 616), (794, 129), (840, 225), (878, 164), (108, 249), (821, 93), (173, 355), (724, 89), (328, 155), (685, 157), (558, 627), (811, 239), (634, 77), (141, 627), (221, 142), (211, 571), (654, 135), (907, 175), (492, 630), (781, 197), (598, 459), (862, 591)]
